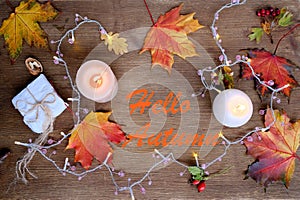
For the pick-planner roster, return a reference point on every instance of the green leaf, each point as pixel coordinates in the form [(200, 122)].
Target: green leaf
[(230, 81), (197, 177), (256, 34), (194, 170), (220, 76), (285, 19), (198, 173)]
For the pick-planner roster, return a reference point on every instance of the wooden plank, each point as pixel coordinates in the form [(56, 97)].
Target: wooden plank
[(120, 16)]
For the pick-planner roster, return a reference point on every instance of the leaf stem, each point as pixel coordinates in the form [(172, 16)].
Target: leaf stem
[(8, 3), (147, 7), (286, 34)]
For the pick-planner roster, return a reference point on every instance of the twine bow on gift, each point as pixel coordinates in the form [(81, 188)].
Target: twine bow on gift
[(42, 104)]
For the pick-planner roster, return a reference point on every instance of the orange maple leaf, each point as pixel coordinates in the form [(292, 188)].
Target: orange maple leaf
[(270, 68), (22, 25), (168, 36), (91, 138), (274, 150)]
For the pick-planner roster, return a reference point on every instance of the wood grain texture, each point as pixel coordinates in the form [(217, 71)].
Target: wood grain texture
[(120, 16)]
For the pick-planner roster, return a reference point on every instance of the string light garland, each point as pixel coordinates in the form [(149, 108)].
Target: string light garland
[(228, 63), (67, 168), (58, 59)]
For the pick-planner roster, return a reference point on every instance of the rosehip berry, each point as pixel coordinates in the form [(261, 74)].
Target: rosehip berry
[(277, 10), (263, 14), (274, 13), (196, 182), (263, 11), (267, 12), (271, 9), (201, 186), (258, 13)]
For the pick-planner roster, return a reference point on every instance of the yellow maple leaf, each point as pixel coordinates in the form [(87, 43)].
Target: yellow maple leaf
[(23, 25), (115, 43)]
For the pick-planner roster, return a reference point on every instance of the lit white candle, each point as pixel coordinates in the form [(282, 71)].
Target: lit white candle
[(232, 108), (96, 81)]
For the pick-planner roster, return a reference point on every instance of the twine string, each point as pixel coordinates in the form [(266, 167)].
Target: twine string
[(37, 105), (47, 127)]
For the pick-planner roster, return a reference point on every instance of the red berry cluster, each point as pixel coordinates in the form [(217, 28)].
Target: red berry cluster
[(200, 185), (270, 11)]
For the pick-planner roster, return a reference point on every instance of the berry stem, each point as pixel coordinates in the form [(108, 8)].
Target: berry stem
[(286, 34), (271, 38), (147, 7), (8, 3)]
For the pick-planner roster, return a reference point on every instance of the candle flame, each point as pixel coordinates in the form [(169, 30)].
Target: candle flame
[(239, 108), (99, 82), (96, 81)]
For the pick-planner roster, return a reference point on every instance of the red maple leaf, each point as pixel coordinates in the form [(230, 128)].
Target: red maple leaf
[(91, 138), (168, 36), (270, 68), (275, 150)]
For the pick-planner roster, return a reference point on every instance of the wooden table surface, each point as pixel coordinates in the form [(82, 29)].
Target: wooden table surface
[(121, 16)]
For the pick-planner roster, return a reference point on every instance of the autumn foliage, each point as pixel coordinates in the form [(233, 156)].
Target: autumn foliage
[(272, 68), (91, 138), (168, 36), (22, 25), (274, 150)]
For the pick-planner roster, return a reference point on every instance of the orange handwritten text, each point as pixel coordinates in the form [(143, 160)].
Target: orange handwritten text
[(170, 104), (169, 137)]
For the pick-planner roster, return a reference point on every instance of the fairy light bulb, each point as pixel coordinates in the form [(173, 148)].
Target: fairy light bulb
[(196, 158), (73, 37)]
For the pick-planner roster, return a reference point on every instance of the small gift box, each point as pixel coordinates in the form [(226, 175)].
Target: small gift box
[(39, 104)]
